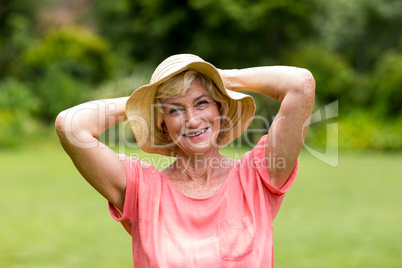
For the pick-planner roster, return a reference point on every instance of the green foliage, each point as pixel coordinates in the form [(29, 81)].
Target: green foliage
[(228, 33), (14, 95), (58, 91), (16, 107), (78, 52), (13, 42), (16, 127), (364, 130), (349, 46), (17, 32), (361, 30), (360, 129), (120, 87), (63, 66), (335, 79), (387, 83)]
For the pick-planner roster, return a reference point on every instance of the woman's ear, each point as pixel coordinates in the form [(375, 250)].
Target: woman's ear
[(162, 127), (165, 131)]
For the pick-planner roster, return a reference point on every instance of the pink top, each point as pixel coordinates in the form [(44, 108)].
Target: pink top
[(232, 228)]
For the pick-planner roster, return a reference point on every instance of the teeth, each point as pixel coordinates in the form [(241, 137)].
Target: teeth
[(196, 134)]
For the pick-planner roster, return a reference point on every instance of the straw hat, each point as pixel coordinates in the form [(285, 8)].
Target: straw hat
[(141, 114)]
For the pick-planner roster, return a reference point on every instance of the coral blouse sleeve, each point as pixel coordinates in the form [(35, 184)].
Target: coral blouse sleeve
[(125, 217), (261, 162)]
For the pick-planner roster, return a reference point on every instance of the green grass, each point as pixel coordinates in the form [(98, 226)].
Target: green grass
[(50, 217), (348, 216)]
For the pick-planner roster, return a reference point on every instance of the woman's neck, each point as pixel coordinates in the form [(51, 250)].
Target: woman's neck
[(201, 167)]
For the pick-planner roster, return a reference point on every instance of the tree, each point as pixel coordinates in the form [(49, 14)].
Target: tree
[(16, 31), (227, 33), (360, 29)]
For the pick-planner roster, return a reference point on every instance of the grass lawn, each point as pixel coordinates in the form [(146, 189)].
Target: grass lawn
[(348, 216)]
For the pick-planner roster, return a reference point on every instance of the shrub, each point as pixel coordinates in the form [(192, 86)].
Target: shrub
[(387, 83), (335, 78), (58, 90), (16, 33), (365, 130), (80, 53), (14, 95), (16, 107), (359, 130)]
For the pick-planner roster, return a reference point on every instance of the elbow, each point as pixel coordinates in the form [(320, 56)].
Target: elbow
[(308, 86), (308, 81), (60, 123)]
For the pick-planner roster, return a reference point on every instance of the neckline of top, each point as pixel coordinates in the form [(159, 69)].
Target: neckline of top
[(213, 196)]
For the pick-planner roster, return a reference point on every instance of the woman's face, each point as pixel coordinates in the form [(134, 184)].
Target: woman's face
[(192, 121)]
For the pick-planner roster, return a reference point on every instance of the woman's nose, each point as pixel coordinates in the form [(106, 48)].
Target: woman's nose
[(192, 119)]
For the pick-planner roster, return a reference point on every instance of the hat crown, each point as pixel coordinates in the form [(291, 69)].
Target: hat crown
[(172, 65)]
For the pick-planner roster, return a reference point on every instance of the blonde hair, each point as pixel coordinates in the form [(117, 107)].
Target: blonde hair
[(178, 85)]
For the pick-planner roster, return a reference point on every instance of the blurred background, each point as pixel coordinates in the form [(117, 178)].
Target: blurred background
[(58, 53), (55, 54)]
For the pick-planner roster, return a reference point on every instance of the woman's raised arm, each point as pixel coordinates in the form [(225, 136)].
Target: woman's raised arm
[(295, 89), (78, 129)]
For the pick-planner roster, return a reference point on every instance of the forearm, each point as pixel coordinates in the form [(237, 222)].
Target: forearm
[(91, 119), (295, 89), (273, 81)]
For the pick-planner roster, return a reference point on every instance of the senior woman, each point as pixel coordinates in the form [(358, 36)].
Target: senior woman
[(204, 210)]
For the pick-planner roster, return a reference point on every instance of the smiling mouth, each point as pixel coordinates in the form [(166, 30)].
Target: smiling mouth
[(196, 134)]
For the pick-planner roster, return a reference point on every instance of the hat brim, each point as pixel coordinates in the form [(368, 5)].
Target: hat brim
[(140, 110)]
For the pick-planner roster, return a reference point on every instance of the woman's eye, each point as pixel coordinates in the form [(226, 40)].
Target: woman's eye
[(201, 103), (174, 111)]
